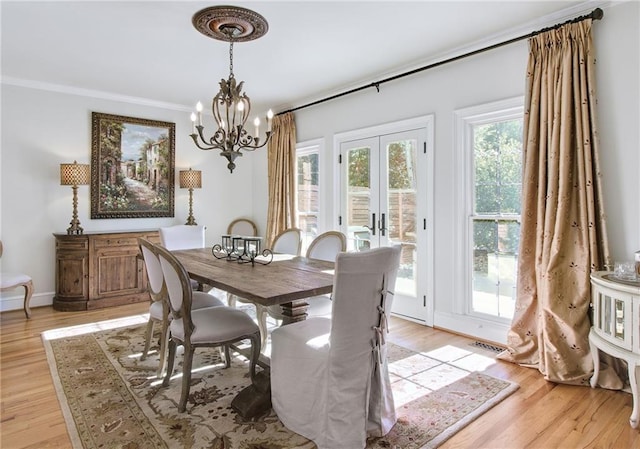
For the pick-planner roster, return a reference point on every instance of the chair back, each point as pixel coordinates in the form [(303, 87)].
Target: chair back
[(326, 246), (183, 237), (154, 270), (288, 241), (242, 226), (178, 287), (362, 299)]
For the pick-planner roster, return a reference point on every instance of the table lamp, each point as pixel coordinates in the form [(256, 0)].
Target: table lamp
[(74, 175), (190, 179)]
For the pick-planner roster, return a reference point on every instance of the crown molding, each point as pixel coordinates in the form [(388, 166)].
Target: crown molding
[(70, 90)]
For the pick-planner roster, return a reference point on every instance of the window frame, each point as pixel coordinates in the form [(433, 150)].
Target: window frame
[(465, 121)]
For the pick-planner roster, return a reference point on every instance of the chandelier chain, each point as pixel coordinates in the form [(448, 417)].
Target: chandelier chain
[(231, 59)]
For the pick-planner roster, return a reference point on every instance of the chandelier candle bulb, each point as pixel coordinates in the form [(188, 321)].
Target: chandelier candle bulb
[(256, 122), (269, 117), (199, 109)]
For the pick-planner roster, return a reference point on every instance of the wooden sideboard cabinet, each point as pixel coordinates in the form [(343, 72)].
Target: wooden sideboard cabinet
[(100, 269), (616, 329)]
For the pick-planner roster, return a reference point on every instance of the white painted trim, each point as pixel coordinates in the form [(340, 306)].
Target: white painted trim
[(70, 90), (473, 327), (464, 121), (16, 302)]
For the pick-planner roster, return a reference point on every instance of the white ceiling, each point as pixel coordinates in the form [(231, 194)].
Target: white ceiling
[(150, 50)]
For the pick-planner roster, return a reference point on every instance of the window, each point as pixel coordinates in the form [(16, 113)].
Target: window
[(492, 151), (307, 190)]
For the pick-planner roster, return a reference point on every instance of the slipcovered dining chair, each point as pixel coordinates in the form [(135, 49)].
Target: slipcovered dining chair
[(207, 327), (11, 281), (159, 308), (242, 226), (329, 377), (326, 246)]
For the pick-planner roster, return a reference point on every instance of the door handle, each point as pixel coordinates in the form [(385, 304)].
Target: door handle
[(383, 226), (372, 229)]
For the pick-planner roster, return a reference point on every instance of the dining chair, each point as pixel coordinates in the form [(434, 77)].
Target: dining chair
[(182, 237), (288, 241), (196, 328), (11, 281), (329, 377), (159, 307), (242, 226), (326, 246)]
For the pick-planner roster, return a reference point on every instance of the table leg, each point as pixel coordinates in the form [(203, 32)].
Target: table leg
[(294, 311), (596, 362), (633, 381)]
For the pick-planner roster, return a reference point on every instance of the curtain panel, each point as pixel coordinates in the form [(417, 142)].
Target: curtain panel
[(281, 176), (563, 234)]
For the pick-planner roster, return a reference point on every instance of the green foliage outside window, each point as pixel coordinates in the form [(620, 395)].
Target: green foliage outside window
[(498, 184)]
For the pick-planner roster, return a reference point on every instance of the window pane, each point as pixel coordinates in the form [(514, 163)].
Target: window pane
[(307, 192), (497, 176), (359, 198)]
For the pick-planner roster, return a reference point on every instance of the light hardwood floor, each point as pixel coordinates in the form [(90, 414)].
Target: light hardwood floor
[(539, 415)]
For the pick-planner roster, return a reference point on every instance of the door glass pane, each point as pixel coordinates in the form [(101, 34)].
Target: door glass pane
[(400, 223), (358, 198), (619, 319)]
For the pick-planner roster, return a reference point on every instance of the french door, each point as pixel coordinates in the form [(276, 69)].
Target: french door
[(383, 183)]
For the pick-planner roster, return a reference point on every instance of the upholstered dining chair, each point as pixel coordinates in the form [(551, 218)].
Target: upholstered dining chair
[(11, 281), (242, 226), (207, 327), (326, 246), (159, 308), (182, 237), (288, 241), (329, 377)]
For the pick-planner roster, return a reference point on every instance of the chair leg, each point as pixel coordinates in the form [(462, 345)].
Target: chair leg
[(227, 356), (171, 359), (164, 338), (231, 300), (148, 334), (261, 315), (186, 377), (28, 291)]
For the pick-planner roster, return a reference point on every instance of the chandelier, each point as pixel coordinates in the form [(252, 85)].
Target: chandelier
[(231, 106)]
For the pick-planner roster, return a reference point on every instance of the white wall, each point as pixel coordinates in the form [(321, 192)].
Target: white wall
[(42, 129), (491, 76)]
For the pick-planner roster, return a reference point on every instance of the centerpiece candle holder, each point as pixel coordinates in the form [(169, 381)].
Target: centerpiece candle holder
[(242, 249)]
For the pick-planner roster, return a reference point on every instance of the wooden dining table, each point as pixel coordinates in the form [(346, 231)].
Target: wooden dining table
[(287, 281)]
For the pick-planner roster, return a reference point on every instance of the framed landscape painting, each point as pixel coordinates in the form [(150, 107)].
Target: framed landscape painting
[(132, 167)]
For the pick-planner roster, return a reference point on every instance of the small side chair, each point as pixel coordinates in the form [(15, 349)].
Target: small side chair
[(11, 281)]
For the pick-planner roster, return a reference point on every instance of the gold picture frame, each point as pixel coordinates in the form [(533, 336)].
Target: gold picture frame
[(132, 167)]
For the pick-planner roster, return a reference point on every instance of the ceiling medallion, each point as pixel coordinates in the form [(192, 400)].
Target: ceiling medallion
[(213, 21)]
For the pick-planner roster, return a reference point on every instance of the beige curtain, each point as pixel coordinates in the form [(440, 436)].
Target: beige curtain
[(563, 234), (282, 157)]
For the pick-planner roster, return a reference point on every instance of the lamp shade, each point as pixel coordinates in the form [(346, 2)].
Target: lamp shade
[(190, 179), (74, 174)]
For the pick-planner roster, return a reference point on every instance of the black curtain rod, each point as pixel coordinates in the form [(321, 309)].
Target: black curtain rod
[(596, 14)]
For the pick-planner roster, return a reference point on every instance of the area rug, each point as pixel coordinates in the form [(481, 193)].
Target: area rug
[(111, 399)]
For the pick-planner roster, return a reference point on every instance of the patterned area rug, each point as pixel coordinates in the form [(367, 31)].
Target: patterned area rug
[(111, 399)]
